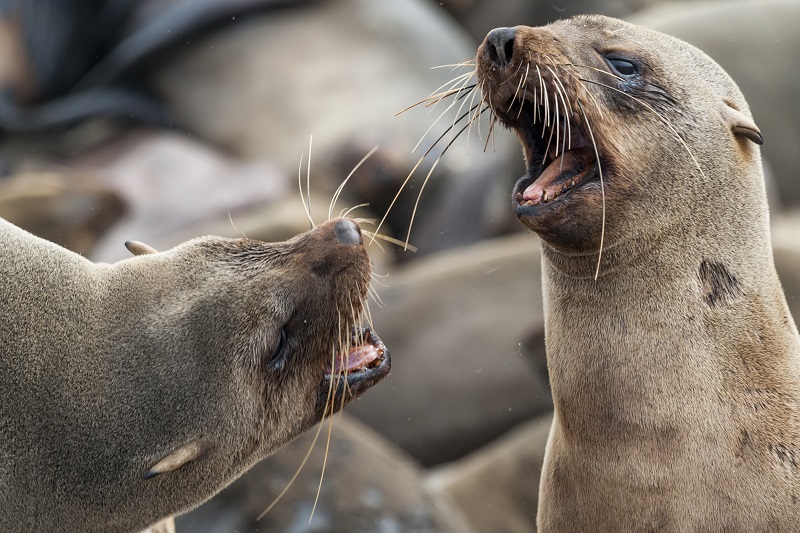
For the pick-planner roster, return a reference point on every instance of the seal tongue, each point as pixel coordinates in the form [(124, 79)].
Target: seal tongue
[(563, 173), (356, 358)]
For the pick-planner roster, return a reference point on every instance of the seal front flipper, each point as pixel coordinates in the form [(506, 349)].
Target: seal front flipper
[(139, 248), (176, 459)]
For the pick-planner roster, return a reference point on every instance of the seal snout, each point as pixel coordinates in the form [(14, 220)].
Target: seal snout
[(347, 232), (500, 42)]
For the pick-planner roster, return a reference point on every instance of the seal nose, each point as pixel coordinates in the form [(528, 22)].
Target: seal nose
[(501, 45), (347, 232)]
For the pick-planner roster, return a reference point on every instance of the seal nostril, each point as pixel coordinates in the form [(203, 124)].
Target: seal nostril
[(347, 232), (501, 45), (509, 49)]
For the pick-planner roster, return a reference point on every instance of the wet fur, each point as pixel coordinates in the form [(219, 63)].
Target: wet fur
[(676, 373), (105, 370)]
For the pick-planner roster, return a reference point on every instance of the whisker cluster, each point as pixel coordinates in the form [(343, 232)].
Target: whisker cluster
[(458, 88), (556, 96), (345, 341)]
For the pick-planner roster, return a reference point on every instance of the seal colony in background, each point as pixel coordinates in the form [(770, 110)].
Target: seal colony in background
[(673, 359), (135, 391)]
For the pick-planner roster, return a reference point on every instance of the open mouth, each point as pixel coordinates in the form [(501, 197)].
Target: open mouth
[(561, 159), (365, 364)]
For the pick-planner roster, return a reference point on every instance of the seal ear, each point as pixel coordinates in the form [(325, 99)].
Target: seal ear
[(176, 459), (740, 124), (139, 248)]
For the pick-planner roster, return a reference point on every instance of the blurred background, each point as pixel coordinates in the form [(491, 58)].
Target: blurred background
[(162, 120)]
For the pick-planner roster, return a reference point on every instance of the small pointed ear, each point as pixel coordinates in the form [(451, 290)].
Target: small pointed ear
[(740, 124), (139, 248), (176, 459)]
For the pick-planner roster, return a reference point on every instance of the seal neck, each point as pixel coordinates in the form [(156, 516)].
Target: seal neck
[(662, 330)]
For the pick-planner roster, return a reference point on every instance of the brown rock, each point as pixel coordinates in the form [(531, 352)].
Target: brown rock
[(67, 208)]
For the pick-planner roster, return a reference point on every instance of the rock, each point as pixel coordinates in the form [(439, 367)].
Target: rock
[(497, 487), (339, 70), (369, 486), (67, 208), (177, 188), (455, 323), (481, 16)]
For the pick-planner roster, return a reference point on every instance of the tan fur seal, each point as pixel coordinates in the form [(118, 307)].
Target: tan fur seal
[(675, 368), (134, 391)]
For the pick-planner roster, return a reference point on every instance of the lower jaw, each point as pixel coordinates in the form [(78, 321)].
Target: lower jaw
[(528, 209), (571, 223), (340, 389)]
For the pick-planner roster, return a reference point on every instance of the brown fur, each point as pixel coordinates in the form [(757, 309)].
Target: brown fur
[(676, 373), (109, 371)]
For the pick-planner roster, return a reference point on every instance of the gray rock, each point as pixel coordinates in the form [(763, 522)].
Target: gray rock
[(177, 188), (369, 486), (456, 324), (481, 16), (340, 70), (497, 487)]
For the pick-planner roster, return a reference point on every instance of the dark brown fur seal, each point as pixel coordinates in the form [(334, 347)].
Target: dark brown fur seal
[(675, 365), (134, 391)]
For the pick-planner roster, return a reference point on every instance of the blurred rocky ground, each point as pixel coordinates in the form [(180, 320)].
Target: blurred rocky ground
[(162, 120)]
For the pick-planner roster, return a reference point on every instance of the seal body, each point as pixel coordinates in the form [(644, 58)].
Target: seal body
[(673, 359), (134, 391)]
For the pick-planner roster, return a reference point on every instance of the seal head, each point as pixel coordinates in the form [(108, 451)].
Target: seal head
[(135, 391), (606, 129)]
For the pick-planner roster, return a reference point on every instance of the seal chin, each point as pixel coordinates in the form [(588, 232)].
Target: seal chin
[(366, 363)]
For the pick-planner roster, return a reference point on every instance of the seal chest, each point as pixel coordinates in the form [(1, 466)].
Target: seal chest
[(135, 391), (674, 362)]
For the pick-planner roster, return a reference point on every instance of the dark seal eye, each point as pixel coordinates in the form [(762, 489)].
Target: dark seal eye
[(622, 67), (278, 357)]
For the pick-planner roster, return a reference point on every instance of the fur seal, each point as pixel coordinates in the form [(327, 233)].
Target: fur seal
[(673, 359), (136, 390)]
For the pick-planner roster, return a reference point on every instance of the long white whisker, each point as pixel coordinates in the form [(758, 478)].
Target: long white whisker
[(567, 107), (341, 185), (453, 66), (343, 213), (472, 118), (369, 315), (525, 90), (234, 226), (448, 108), (300, 186), (308, 175), (389, 239), (405, 181), (602, 192), (375, 296)]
